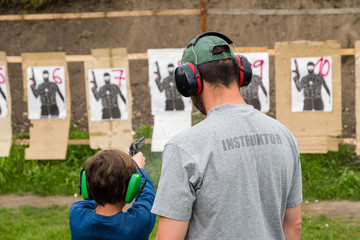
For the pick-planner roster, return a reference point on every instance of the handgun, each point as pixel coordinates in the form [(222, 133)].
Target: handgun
[(32, 78), (296, 71), (135, 146), (94, 80)]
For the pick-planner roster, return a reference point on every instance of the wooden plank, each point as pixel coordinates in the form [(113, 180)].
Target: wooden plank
[(347, 51), (308, 124), (285, 12), (175, 12), (111, 133), (312, 144), (357, 95), (78, 58), (347, 141), (89, 15), (249, 49), (203, 16), (143, 56), (48, 137), (26, 141), (5, 122), (332, 144), (271, 52)]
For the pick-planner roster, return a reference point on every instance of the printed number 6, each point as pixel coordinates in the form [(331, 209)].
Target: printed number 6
[(57, 79), (2, 78)]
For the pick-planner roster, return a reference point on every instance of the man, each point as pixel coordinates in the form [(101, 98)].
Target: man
[(250, 93), (311, 84), (109, 98), (236, 174), (47, 92), (173, 98)]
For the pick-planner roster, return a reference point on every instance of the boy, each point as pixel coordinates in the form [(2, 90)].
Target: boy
[(107, 175)]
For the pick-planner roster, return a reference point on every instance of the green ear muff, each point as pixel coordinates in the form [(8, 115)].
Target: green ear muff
[(132, 190), (133, 187), (83, 186)]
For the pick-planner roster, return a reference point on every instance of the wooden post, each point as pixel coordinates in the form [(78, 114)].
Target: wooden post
[(357, 95), (203, 15)]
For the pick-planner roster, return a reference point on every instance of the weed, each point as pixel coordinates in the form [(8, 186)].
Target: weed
[(331, 176)]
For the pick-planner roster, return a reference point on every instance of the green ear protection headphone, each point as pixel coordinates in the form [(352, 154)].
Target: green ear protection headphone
[(133, 188)]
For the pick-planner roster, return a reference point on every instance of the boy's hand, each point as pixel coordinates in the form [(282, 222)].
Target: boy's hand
[(139, 159)]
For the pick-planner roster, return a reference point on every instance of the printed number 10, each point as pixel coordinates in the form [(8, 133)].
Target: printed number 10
[(322, 62)]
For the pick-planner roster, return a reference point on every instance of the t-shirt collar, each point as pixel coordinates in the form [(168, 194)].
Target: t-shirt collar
[(230, 108)]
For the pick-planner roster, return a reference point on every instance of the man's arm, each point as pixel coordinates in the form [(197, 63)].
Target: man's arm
[(96, 93), (158, 78), (2, 93), (170, 229), (60, 94), (297, 77), (120, 94), (292, 223), (262, 87), (325, 85)]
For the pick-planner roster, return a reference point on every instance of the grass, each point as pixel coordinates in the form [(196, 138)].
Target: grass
[(34, 223), (27, 4), (52, 223), (53, 177), (60, 177), (335, 175), (323, 228)]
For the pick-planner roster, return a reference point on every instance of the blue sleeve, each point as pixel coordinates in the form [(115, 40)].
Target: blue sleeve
[(79, 217), (142, 207)]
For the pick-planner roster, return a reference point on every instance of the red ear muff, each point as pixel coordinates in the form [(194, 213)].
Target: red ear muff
[(188, 80), (244, 70), (238, 62)]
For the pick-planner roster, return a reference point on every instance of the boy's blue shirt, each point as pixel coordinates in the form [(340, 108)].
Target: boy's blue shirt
[(137, 223)]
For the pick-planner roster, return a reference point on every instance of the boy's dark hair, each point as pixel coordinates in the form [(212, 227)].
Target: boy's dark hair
[(220, 72), (108, 173)]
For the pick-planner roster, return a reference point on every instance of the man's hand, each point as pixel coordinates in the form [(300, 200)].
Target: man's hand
[(139, 159)]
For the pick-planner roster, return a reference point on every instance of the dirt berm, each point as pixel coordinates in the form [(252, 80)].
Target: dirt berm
[(137, 34)]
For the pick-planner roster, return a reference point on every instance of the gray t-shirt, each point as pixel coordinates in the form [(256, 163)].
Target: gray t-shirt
[(232, 175)]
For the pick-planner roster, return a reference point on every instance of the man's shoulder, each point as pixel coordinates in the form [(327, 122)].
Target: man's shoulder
[(188, 134)]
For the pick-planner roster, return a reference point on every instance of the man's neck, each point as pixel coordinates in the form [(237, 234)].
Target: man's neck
[(109, 209), (216, 96)]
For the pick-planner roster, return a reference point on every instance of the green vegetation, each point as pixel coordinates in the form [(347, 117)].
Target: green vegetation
[(42, 177), (34, 223), (60, 177), (27, 4), (322, 227), (52, 223), (335, 175)]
